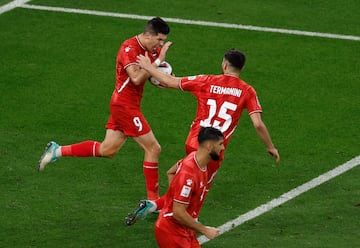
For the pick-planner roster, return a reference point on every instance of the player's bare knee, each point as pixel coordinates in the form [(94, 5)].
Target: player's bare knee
[(156, 149), (108, 152), (107, 155)]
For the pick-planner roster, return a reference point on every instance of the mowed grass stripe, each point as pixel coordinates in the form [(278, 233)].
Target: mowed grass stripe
[(196, 22)]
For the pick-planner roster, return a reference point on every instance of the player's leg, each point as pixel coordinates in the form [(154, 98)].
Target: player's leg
[(133, 124), (113, 141), (159, 203), (152, 151), (146, 207)]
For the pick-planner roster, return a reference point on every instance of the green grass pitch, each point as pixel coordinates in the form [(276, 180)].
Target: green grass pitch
[(56, 78)]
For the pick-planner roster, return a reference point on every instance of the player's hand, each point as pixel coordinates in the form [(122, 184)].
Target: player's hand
[(163, 51), (274, 152), (144, 61), (211, 232)]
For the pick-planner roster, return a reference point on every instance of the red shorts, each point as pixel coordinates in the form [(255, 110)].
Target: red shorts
[(130, 121), (168, 235)]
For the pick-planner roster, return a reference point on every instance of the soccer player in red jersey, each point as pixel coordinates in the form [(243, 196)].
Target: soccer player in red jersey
[(177, 223), (126, 119), (221, 100)]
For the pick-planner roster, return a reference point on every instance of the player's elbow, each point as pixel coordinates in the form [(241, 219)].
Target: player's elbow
[(177, 214)]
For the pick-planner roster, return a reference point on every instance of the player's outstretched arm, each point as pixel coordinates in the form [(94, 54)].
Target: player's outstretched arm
[(264, 135), (165, 80)]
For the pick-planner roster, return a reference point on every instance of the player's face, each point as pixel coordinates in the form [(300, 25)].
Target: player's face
[(156, 41), (217, 147)]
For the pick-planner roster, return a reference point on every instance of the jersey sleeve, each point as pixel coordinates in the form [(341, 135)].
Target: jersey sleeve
[(184, 186), (252, 103), (192, 83), (127, 55)]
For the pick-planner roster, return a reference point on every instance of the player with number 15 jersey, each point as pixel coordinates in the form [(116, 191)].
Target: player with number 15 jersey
[(221, 101)]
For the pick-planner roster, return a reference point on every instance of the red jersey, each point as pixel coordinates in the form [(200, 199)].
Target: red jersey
[(126, 93), (125, 113), (221, 101), (187, 187)]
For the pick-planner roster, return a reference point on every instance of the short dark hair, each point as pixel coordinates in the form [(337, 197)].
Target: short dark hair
[(156, 26), (209, 133), (235, 58)]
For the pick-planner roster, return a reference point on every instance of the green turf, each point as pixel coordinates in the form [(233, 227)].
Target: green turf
[(325, 217), (3, 2), (319, 16), (57, 76)]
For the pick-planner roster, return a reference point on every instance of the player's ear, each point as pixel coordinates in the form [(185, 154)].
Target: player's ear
[(146, 35), (209, 146), (224, 65)]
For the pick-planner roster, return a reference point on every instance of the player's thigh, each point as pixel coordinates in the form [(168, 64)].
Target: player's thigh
[(114, 140), (130, 121), (148, 142)]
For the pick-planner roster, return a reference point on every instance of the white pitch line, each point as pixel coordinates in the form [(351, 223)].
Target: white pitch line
[(12, 5), (196, 22), (285, 197)]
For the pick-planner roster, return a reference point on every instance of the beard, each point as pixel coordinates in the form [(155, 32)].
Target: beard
[(214, 156)]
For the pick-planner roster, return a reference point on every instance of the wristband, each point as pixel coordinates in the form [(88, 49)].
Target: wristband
[(157, 61)]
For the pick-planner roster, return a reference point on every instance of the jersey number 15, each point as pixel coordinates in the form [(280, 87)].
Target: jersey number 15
[(221, 114)]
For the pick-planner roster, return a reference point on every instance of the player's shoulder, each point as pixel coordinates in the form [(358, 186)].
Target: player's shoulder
[(189, 158), (189, 161), (196, 78), (130, 44), (131, 40), (244, 85)]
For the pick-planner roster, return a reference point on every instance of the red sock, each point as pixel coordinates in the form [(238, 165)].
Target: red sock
[(88, 148), (160, 202), (152, 179)]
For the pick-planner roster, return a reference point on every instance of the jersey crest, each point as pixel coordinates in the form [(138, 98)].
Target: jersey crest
[(189, 182)]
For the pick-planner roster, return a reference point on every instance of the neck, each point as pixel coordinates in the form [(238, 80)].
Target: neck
[(141, 40), (202, 158), (231, 73)]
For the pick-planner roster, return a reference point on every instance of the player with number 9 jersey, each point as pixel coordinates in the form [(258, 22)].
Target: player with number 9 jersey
[(126, 114), (126, 118)]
